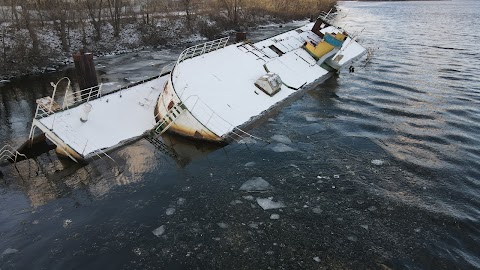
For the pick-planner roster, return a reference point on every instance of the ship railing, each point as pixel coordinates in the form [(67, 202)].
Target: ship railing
[(9, 153), (73, 98), (89, 149), (213, 121), (47, 105), (200, 49), (327, 16), (167, 69)]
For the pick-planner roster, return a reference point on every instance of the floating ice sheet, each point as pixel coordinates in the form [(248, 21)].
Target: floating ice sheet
[(267, 203), (9, 251), (256, 184), (159, 231), (281, 139), (281, 148), (170, 211), (378, 162)]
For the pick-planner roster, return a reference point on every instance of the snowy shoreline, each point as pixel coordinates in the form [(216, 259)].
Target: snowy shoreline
[(65, 59)]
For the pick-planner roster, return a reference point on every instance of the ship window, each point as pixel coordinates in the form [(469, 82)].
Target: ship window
[(275, 49)]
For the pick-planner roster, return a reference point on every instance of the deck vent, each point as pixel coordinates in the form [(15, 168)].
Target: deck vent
[(269, 83), (276, 50), (87, 108)]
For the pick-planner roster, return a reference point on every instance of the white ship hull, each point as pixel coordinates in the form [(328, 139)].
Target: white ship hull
[(213, 90)]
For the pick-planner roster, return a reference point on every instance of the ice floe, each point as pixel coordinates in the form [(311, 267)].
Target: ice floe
[(352, 238), (310, 118), (222, 225), (159, 231), (378, 162), (9, 251), (248, 198), (67, 223), (256, 184), (275, 216), (281, 139), (235, 202), (268, 203), (247, 140), (250, 164), (181, 201), (281, 148), (170, 211)]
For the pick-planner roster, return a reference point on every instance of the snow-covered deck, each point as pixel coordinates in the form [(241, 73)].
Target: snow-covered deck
[(224, 79), (114, 118)]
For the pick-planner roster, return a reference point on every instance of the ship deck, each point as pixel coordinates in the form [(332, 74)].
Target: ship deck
[(114, 118), (223, 81)]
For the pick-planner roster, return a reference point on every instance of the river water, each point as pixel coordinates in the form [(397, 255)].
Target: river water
[(377, 169)]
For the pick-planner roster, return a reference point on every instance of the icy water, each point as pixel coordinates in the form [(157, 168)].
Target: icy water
[(378, 169)]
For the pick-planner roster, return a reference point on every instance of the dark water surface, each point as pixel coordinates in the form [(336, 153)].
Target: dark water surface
[(382, 171)]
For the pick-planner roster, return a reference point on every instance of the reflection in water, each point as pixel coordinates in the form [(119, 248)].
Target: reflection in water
[(185, 150), (48, 177)]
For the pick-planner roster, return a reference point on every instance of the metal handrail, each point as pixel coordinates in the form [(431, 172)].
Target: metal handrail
[(200, 49), (81, 96), (97, 151), (327, 16), (8, 152), (167, 69), (217, 121)]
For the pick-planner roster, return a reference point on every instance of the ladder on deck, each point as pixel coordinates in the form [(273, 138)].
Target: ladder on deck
[(169, 118), (9, 153), (160, 146)]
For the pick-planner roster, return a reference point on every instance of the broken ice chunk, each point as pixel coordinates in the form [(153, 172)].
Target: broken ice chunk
[(159, 231), (170, 211), (67, 223), (281, 148), (378, 162), (267, 203), (181, 201), (281, 139), (256, 184), (9, 251), (222, 225), (352, 238), (317, 210), (235, 202), (250, 164), (310, 118), (275, 216), (253, 225), (248, 198), (247, 140)]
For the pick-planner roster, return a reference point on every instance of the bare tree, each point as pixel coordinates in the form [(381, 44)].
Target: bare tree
[(187, 7), (233, 8), (58, 12), (31, 30), (115, 9), (13, 7), (94, 10)]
